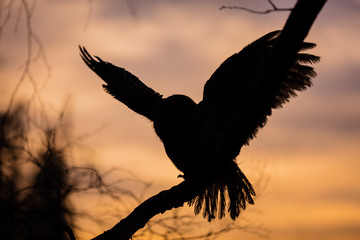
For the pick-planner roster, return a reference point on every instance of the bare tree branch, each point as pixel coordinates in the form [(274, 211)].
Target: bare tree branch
[(163, 201), (6, 9), (273, 9), (35, 48)]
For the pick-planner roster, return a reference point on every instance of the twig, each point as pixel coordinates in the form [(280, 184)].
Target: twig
[(273, 9)]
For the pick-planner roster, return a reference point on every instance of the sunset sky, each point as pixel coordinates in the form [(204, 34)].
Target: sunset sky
[(310, 148)]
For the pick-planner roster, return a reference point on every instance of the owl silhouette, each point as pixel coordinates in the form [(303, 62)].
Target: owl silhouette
[(203, 139)]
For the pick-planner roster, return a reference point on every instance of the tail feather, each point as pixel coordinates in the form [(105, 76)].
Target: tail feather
[(233, 190)]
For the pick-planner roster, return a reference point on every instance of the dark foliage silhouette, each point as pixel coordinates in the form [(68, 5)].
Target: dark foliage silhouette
[(36, 206), (36, 181), (203, 140)]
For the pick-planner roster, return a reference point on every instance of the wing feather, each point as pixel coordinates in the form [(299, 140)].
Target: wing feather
[(237, 100), (123, 85)]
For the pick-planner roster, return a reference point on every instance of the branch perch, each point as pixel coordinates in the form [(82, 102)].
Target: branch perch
[(166, 200)]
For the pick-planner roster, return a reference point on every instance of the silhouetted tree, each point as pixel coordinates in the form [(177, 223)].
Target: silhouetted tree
[(35, 206), (37, 183)]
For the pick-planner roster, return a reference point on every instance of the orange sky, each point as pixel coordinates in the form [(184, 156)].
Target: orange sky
[(310, 147)]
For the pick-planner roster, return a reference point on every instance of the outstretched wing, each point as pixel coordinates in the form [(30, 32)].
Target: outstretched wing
[(237, 100), (123, 85)]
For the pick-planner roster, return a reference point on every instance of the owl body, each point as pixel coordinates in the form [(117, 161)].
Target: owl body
[(203, 139)]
